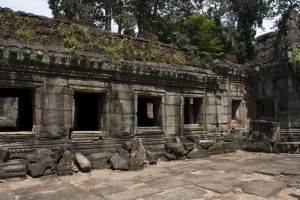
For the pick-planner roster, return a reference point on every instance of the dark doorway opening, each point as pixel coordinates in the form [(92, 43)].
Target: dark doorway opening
[(86, 111), (16, 110), (149, 111), (193, 111), (264, 108)]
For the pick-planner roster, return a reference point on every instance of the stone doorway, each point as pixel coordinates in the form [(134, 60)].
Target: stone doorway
[(149, 111), (193, 110), (16, 110), (87, 110)]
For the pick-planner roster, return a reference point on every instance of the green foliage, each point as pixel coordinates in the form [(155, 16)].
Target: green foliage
[(67, 36), (4, 27), (296, 56), (178, 58), (24, 28), (279, 6), (201, 36), (113, 48)]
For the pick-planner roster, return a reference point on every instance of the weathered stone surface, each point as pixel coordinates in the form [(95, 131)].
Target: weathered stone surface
[(198, 153), (83, 162), (263, 188), (124, 154), (151, 157), (100, 160), (65, 165), (13, 169), (205, 144), (119, 163), (37, 155), (174, 146), (218, 187), (37, 169), (4, 154), (138, 155), (222, 147), (169, 156), (190, 192)]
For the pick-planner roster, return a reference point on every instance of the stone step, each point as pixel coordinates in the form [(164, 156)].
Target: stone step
[(88, 135), (16, 136)]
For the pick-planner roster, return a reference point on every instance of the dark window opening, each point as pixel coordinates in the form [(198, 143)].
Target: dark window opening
[(193, 111), (149, 111), (16, 110), (264, 108), (235, 114), (87, 111)]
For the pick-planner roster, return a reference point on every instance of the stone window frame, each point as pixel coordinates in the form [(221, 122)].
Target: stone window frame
[(36, 110), (95, 90), (231, 108), (149, 93), (199, 126)]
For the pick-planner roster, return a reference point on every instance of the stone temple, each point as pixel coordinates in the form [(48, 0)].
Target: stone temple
[(69, 89)]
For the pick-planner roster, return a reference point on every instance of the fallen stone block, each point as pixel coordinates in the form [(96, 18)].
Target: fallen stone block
[(65, 165), (83, 162), (119, 163), (169, 156), (38, 154), (100, 160), (206, 144), (37, 169), (124, 154), (198, 153), (137, 160), (174, 146), (138, 155), (222, 148), (151, 157), (13, 169)]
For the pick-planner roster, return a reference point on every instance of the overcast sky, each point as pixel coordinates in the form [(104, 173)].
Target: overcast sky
[(40, 7)]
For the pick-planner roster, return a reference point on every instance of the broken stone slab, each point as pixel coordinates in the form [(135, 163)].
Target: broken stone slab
[(124, 154), (4, 154), (65, 165), (222, 148), (205, 144), (174, 146), (262, 188), (13, 169), (100, 160), (37, 169), (188, 146), (138, 155), (137, 160), (119, 163), (198, 153), (83, 162), (151, 157), (258, 147), (169, 156), (38, 154)]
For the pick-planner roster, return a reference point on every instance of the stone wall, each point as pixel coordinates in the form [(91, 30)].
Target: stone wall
[(273, 80), (91, 99)]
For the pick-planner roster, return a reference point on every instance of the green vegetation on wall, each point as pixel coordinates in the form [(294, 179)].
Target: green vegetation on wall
[(78, 37), (296, 56)]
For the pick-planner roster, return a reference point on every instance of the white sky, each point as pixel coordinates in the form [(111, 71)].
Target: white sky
[(40, 7)]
